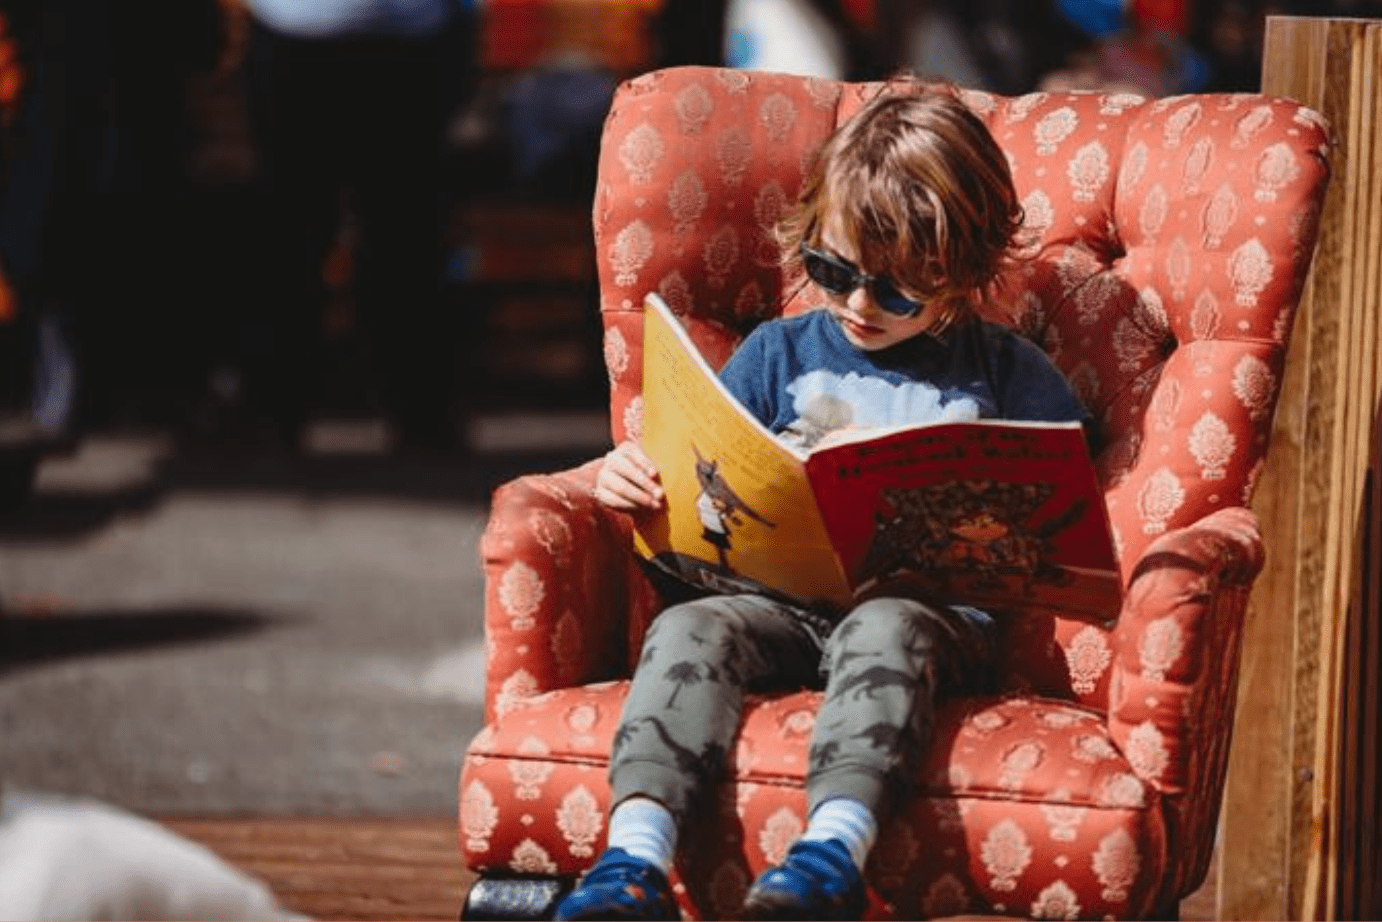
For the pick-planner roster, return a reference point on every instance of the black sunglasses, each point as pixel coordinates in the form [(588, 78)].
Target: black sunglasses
[(839, 277)]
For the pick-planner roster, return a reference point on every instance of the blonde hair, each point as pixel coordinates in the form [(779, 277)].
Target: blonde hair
[(923, 192)]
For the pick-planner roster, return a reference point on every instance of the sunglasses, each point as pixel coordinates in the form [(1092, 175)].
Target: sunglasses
[(840, 277)]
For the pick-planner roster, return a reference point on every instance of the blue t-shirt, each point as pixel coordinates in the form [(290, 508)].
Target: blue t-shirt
[(802, 378)]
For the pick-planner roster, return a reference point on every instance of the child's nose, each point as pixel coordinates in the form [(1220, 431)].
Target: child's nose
[(861, 301)]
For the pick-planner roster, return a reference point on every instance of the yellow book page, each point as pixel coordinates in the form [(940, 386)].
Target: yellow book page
[(740, 515)]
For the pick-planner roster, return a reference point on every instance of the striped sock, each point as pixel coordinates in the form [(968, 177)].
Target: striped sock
[(847, 820), (645, 829)]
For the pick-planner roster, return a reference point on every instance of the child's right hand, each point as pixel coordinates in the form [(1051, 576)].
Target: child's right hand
[(628, 480)]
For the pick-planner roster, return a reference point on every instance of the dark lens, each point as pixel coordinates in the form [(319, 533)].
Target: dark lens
[(892, 300), (830, 275)]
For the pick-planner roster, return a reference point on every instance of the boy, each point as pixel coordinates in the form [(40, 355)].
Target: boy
[(906, 220)]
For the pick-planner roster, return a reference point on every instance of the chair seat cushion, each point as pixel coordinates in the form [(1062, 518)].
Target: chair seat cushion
[(1009, 785)]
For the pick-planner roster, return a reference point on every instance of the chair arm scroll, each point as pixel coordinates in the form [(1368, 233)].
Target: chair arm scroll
[(563, 588), (1177, 648)]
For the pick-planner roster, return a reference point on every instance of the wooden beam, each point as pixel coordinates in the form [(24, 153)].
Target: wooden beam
[(1295, 843)]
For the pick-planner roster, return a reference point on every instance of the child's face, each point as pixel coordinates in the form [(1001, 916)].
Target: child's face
[(864, 323)]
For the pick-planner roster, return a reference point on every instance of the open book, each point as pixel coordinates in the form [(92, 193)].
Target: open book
[(999, 515)]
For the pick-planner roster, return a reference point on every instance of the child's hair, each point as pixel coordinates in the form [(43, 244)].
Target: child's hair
[(923, 192)]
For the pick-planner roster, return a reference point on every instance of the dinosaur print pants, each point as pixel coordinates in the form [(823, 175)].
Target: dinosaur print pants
[(885, 663)]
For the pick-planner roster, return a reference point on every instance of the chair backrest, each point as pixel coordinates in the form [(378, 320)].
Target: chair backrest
[(1169, 244)]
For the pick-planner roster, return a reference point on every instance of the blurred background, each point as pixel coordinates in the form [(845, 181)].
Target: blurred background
[(287, 288), (227, 218)]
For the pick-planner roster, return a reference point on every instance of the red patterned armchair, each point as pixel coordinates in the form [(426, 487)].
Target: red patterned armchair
[(1170, 242)]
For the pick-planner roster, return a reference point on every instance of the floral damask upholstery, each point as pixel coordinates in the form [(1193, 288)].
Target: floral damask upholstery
[(1169, 242)]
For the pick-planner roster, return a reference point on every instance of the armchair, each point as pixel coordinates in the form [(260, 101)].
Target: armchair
[(1170, 242)]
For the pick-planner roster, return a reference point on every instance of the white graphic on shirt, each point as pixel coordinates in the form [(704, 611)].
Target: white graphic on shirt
[(826, 402)]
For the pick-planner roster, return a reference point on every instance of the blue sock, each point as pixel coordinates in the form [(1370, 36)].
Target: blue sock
[(645, 829), (848, 821)]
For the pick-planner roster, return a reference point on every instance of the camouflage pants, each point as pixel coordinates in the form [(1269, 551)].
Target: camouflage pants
[(885, 662)]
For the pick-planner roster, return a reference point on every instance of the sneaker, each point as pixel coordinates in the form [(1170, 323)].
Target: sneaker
[(620, 886), (817, 880)]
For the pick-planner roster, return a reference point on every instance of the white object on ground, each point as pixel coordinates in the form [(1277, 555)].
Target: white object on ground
[(78, 860)]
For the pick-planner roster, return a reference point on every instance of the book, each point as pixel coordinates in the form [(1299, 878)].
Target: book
[(996, 514)]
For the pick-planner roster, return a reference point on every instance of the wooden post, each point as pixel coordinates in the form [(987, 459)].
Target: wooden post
[(1299, 839)]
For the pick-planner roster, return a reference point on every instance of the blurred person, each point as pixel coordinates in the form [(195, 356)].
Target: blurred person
[(935, 42), (1010, 43), (1003, 46), (691, 32), (93, 154), (1232, 32), (1135, 46), (832, 39), (93, 133), (348, 104)]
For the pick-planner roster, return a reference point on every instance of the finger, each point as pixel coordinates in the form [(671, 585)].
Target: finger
[(645, 463), (624, 473), (624, 497), (643, 471)]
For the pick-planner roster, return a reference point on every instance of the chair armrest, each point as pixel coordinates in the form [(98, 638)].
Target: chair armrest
[(1177, 646), (566, 600)]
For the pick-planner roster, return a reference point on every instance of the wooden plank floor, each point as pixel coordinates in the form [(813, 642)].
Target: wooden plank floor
[(383, 869), (347, 869)]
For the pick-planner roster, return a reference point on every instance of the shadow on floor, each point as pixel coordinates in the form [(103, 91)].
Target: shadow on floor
[(33, 638), (120, 475)]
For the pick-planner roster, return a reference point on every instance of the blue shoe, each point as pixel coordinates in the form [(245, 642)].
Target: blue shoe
[(620, 886), (817, 880)]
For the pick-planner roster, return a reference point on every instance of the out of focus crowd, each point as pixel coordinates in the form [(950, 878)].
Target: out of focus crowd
[(197, 197)]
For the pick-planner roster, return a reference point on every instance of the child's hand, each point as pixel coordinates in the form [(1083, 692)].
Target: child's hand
[(628, 480)]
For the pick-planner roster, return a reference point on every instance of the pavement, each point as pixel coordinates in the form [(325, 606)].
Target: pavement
[(268, 635)]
